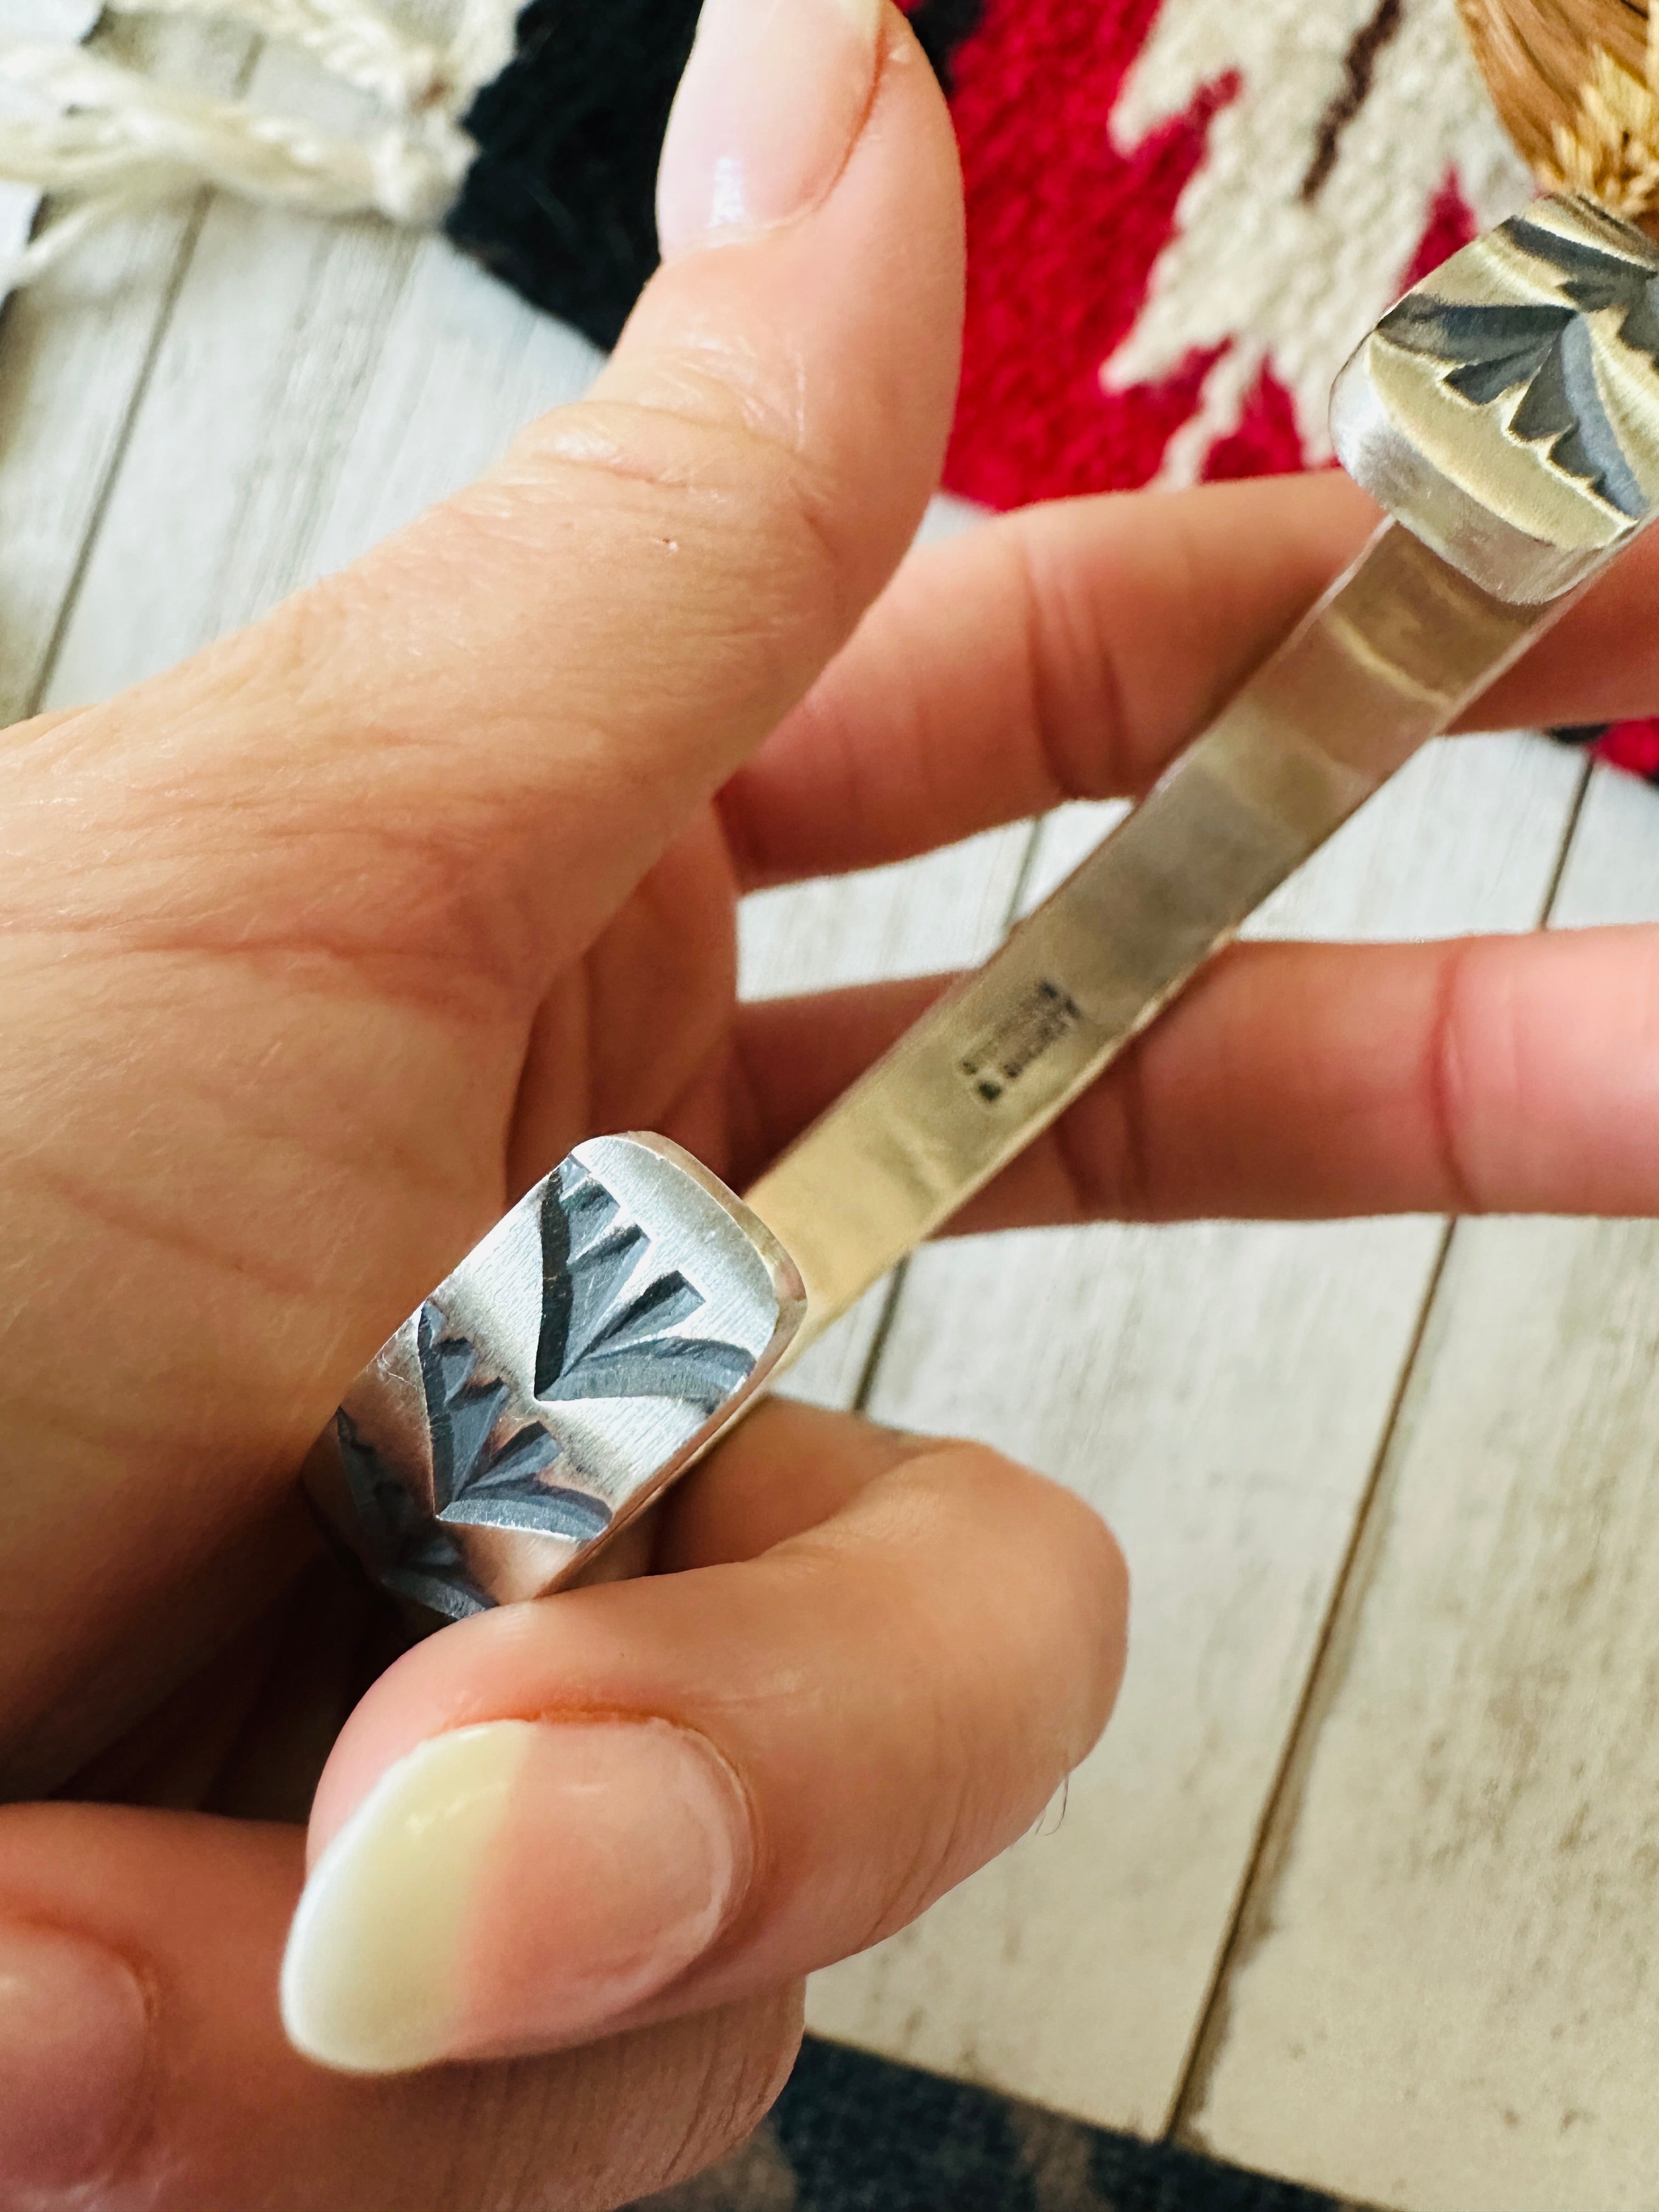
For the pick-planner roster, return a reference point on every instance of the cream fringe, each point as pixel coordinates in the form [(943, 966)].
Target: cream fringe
[(103, 139)]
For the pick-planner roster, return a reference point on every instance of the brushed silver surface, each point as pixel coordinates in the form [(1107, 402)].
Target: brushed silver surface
[(1387, 658)]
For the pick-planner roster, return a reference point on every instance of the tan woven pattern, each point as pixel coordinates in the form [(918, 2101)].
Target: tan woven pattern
[(1577, 83)]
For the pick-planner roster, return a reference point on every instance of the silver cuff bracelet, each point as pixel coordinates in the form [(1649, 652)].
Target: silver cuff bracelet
[(1506, 415)]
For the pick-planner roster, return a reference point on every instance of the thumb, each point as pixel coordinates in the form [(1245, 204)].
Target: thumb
[(278, 922), (524, 693)]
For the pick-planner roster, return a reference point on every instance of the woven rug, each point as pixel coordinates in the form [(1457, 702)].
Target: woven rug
[(855, 2134), (1182, 215)]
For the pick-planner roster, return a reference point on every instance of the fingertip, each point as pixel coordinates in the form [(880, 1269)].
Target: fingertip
[(142, 2061), (765, 117), (832, 326), (75, 2054), (515, 1887), (897, 1680)]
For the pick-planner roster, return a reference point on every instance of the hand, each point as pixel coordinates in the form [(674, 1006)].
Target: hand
[(321, 948), (1069, 652), (318, 951)]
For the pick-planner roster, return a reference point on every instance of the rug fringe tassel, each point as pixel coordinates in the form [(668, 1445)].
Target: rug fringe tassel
[(104, 139)]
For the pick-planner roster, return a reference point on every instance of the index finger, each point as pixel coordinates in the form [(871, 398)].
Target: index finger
[(1069, 651)]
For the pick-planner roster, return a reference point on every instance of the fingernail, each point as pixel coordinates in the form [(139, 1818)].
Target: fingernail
[(512, 1888), (766, 114), (74, 2037)]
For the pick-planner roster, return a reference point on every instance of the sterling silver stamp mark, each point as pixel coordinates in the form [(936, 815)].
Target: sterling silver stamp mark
[(1001, 1052)]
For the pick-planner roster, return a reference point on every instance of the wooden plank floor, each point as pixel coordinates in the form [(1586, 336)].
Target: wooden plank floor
[(1357, 1889), (1456, 1900)]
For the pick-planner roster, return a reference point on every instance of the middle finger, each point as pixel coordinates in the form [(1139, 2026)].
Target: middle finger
[(1070, 650)]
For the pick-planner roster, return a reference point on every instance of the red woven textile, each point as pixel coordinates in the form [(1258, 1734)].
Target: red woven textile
[(1181, 215)]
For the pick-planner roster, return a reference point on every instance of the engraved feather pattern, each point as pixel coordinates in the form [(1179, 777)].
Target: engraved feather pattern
[(596, 1342), (484, 1472), (611, 1327), (1546, 349), (412, 1555)]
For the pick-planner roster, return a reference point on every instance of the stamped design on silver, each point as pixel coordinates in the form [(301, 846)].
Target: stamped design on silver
[(1507, 410), (596, 1339), (1545, 352)]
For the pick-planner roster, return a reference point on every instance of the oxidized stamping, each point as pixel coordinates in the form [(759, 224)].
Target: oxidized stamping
[(1507, 410), (579, 1357)]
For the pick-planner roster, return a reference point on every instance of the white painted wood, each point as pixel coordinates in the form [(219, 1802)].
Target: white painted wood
[(463, 366), (1221, 1392), (1217, 1393), (1444, 1996), (73, 354), (248, 410), (319, 384), (919, 918), (831, 1371), (36, 23), (1612, 873)]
